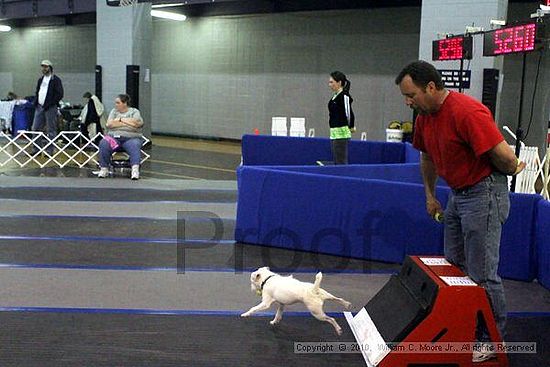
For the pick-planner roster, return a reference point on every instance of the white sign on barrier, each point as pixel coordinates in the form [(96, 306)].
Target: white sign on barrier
[(279, 126), (435, 261), (298, 126)]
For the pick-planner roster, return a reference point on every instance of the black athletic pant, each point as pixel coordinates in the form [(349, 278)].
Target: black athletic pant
[(340, 151)]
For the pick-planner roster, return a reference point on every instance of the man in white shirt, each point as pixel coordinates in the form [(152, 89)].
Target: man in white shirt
[(49, 91)]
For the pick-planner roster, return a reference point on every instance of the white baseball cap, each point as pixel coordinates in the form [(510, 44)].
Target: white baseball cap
[(47, 63)]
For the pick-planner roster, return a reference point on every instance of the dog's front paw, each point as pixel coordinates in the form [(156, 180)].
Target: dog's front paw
[(246, 314), (273, 322)]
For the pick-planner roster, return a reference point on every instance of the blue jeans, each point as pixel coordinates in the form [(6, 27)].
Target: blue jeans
[(132, 146), (473, 226), (47, 118)]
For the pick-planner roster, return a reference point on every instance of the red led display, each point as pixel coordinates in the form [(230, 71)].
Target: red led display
[(517, 39), (521, 38), (454, 48), (450, 49)]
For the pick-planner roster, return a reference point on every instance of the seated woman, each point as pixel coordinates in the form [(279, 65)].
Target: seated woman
[(124, 132)]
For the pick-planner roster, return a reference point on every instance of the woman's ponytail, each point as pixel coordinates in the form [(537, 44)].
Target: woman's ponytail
[(347, 86), (341, 77)]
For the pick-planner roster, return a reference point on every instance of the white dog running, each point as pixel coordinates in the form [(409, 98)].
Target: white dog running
[(284, 291)]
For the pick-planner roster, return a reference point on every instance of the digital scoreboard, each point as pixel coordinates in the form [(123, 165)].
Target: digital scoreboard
[(452, 48), (512, 39)]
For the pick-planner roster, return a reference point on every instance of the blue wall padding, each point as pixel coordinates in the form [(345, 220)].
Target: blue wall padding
[(375, 152), (401, 172), (411, 154), (263, 150), (517, 249), (542, 235), (375, 210), (369, 219)]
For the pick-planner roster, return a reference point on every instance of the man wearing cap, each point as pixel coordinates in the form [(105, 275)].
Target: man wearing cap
[(49, 91)]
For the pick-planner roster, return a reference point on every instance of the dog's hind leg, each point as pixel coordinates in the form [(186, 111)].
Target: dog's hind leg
[(316, 310), (327, 296), (278, 315)]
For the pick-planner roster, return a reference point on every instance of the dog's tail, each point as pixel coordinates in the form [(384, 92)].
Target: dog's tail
[(317, 283)]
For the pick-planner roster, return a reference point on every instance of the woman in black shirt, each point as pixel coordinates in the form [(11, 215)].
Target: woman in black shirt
[(341, 117)]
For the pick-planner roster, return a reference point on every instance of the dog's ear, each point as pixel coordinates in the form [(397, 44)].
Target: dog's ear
[(257, 277)]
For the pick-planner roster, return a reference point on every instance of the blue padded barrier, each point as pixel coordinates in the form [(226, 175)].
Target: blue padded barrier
[(400, 172), (293, 203), (517, 248), (281, 150), (375, 152), (411, 154), (380, 217), (264, 150), (543, 242), (369, 219)]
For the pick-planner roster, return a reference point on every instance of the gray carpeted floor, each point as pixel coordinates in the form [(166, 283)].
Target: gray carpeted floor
[(61, 339), (69, 194), (78, 339), (86, 265)]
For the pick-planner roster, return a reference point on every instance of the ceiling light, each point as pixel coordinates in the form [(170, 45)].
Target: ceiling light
[(5, 28), (168, 15), (156, 6)]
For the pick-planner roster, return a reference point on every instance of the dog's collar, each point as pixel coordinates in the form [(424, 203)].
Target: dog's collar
[(265, 281)]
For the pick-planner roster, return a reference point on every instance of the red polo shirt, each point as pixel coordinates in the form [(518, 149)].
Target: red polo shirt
[(456, 138)]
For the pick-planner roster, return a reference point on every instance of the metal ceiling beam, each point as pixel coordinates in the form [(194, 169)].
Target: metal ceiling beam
[(21, 9), (158, 2), (18, 9)]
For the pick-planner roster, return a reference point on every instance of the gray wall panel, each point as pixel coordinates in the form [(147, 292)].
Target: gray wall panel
[(6, 83), (70, 48), (449, 16), (75, 84), (124, 37), (225, 76), (510, 94)]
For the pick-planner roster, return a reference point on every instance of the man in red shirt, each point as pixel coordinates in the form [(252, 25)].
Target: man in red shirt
[(461, 143)]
